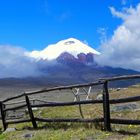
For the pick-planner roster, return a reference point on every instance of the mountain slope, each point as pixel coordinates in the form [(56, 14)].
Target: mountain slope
[(61, 74)]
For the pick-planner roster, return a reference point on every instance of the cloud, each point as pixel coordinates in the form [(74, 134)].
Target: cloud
[(123, 48), (102, 32), (14, 63)]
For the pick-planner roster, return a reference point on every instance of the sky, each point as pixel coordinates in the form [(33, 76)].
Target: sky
[(34, 24), (112, 27)]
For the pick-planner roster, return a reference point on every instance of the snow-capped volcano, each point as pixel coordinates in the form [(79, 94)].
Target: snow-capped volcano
[(71, 46)]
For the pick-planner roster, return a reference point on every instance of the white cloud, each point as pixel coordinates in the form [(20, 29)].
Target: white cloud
[(102, 32), (123, 48), (14, 63)]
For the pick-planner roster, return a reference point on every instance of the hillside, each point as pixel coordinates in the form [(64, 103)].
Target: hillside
[(67, 74), (80, 131)]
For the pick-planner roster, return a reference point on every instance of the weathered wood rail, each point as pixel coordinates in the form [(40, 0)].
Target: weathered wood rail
[(105, 102)]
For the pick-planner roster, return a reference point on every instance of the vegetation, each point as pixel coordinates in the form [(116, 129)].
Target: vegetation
[(79, 131)]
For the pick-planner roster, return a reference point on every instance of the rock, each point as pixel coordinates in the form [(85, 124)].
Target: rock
[(82, 57), (118, 89), (33, 109), (123, 107), (99, 97), (9, 130), (136, 86), (90, 58), (28, 136)]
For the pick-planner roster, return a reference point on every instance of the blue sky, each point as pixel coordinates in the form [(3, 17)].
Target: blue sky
[(34, 24)]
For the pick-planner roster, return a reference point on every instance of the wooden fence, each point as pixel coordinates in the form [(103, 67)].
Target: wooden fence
[(105, 102)]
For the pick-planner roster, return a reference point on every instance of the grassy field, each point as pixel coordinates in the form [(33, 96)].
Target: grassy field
[(80, 131)]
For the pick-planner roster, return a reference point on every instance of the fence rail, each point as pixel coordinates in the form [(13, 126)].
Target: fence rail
[(105, 102)]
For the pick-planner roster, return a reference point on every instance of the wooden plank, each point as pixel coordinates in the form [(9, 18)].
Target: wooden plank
[(30, 112), (106, 107), (69, 120), (3, 116)]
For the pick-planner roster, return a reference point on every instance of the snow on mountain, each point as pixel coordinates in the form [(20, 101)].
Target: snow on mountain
[(71, 45)]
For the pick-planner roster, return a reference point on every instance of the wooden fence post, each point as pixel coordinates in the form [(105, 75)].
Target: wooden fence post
[(30, 112), (106, 107), (2, 106)]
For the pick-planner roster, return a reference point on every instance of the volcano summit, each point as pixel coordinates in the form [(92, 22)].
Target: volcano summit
[(71, 47)]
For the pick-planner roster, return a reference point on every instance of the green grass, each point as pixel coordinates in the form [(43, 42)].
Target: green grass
[(79, 131)]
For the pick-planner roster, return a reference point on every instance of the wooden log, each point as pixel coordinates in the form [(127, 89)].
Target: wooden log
[(30, 112), (124, 77), (3, 116), (112, 101), (14, 97), (69, 120), (125, 100), (67, 103), (125, 121), (106, 108), (51, 104)]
